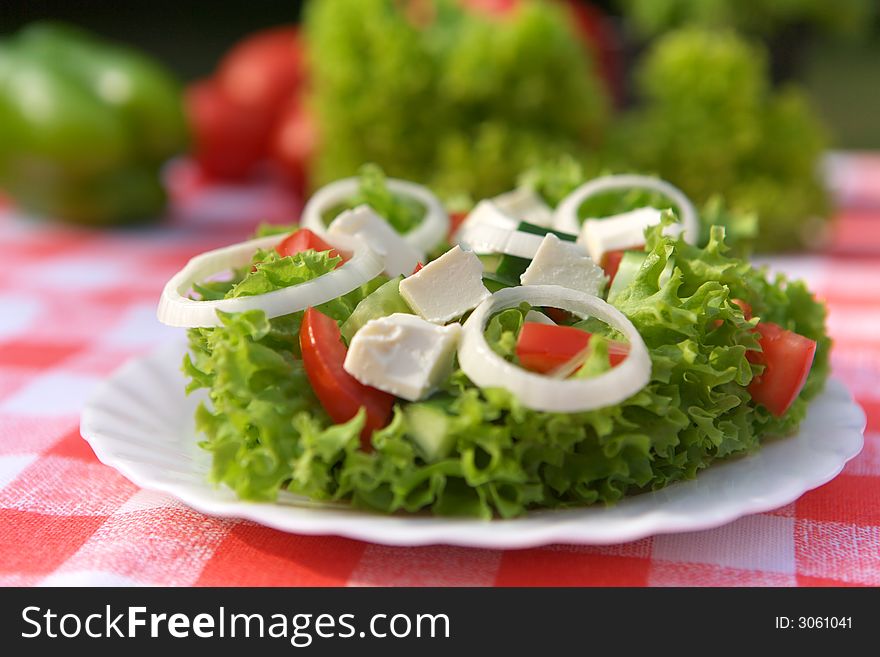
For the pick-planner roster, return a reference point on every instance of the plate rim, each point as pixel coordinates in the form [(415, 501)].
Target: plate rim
[(397, 530)]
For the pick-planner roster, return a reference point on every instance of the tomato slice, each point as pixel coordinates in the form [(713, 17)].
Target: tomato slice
[(542, 347), (787, 358), (417, 268), (611, 263), (456, 219), (341, 395), (303, 240)]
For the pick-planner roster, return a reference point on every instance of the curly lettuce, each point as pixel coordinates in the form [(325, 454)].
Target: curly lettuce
[(267, 432)]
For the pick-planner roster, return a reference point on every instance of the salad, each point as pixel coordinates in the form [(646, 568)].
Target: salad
[(521, 356)]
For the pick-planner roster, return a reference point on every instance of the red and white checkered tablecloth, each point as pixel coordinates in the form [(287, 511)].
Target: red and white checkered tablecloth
[(75, 304)]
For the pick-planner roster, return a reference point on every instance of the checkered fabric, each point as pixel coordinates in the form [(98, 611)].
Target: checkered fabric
[(75, 304)]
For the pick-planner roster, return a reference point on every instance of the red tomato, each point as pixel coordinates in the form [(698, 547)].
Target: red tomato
[(293, 145), (417, 268), (611, 263), (227, 141), (341, 395), (263, 70), (787, 358), (542, 348), (455, 221), (303, 240)]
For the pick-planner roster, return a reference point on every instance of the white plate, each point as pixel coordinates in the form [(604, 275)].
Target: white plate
[(140, 423)]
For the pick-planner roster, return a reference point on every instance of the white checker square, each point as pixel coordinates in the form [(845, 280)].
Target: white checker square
[(758, 542), (56, 393)]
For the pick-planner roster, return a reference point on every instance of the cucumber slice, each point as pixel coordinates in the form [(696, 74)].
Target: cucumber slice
[(386, 300), (429, 430)]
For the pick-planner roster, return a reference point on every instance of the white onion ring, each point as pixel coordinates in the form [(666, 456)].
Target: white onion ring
[(565, 217), (542, 393), (175, 309), (486, 238), (428, 234)]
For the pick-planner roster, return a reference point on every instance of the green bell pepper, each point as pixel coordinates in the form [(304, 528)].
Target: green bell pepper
[(85, 126)]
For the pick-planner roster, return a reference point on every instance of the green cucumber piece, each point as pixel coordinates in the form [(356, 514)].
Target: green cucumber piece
[(429, 430), (386, 300), (630, 264)]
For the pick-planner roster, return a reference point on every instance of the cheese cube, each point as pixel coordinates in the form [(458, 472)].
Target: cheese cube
[(486, 213), (447, 287), (564, 263), (400, 256), (403, 354), (524, 204), (619, 232)]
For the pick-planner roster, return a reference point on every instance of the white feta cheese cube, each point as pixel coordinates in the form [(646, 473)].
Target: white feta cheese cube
[(400, 256), (447, 287), (486, 213), (558, 262), (403, 354), (620, 231), (524, 204)]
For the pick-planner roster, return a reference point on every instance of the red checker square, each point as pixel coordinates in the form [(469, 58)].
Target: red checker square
[(669, 573), (872, 411), (806, 580), (846, 499), (123, 296), (837, 551), (253, 555), (34, 543), (159, 546), (73, 446), (538, 567), (35, 354), (99, 359), (64, 486), (21, 434), (44, 246)]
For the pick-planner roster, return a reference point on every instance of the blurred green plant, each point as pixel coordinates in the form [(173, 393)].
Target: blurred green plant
[(758, 17), (465, 102), (454, 98), (710, 123)]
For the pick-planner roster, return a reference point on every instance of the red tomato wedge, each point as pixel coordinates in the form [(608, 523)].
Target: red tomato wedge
[(455, 221), (341, 395), (303, 240), (787, 358), (542, 348), (417, 268), (611, 263)]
